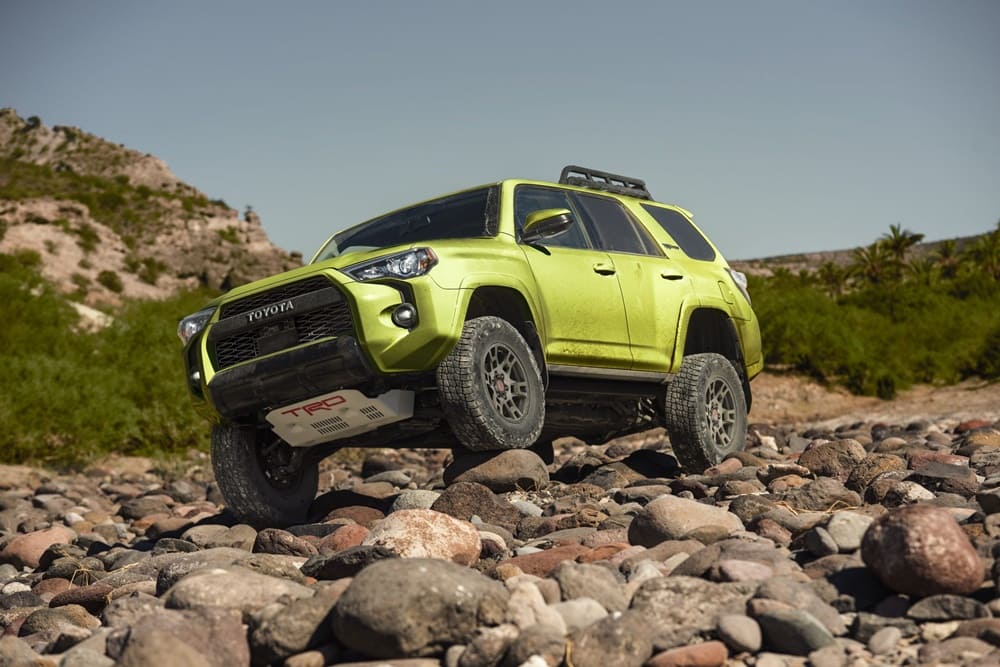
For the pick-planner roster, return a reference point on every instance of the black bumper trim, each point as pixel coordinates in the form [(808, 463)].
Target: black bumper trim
[(295, 375)]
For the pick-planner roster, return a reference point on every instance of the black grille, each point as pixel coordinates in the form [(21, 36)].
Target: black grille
[(327, 315), (277, 294)]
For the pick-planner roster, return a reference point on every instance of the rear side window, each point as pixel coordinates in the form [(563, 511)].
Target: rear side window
[(614, 227), (683, 232)]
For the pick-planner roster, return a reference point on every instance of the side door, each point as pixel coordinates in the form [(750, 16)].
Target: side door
[(581, 302), (653, 286)]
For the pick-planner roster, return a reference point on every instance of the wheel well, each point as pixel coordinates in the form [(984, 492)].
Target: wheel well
[(712, 330), (510, 305)]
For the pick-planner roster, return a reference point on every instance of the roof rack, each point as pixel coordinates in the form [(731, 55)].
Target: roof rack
[(603, 180)]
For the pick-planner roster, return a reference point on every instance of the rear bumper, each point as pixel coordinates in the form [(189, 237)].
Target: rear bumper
[(294, 375)]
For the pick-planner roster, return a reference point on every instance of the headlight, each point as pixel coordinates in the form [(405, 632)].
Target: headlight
[(741, 281), (409, 264), (191, 325)]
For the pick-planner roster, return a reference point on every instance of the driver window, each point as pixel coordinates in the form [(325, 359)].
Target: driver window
[(529, 198)]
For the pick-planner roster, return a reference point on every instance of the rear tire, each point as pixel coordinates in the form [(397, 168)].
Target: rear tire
[(490, 387), (706, 412), (264, 481)]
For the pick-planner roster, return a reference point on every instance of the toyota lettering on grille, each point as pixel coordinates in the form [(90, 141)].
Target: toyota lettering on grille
[(269, 311)]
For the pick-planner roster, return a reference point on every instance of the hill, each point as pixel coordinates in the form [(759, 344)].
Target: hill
[(110, 222)]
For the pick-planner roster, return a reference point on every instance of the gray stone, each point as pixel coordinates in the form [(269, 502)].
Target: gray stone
[(847, 529), (240, 536), (689, 601), (488, 646), (578, 580), (300, 626), (623, 641), (740, 633), (128, 609), (175, 566), (346, 563), (578, 613), (538, 646), (15, 652), (231, 588), (414, 499), (821, 495), (793, 631), (277, 541), (802, 596), (412, 607), (507, 470), (867, 624), (672, 518), (820, 543), (204, 637), (947, 608), (885, 640)]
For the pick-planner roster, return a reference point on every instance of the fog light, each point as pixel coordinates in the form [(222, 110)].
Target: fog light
[(196, 377), (405, 316)]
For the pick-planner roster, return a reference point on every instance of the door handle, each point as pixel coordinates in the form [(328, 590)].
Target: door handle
[(604, 269), (671, 276)]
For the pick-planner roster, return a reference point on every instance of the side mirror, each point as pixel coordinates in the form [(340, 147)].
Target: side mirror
[(545, 224)]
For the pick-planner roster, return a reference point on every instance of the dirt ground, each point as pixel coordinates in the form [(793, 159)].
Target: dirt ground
[(789, 399)]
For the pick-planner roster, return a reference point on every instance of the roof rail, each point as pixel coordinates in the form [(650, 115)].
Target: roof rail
[(603, 180)]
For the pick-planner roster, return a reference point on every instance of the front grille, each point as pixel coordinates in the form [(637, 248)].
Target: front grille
[(278, 294), (252, 340)]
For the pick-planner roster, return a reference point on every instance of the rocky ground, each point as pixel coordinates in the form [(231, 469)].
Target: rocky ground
[(865, 537)]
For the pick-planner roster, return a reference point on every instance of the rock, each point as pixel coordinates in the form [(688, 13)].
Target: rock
[(689, 601), (543, 563), (414, 499), (833, 459), (623, 641), (801, 596), (15, 652), (424, 533), (672, 518), (198, 637), (346, 563), (508, 470), (579, 613), (885, 640), (847, 528), (409, 607), (580, 580), (231, 588), (526, 607), (171, 568), (958, 650), (706, 654), (536, 647), (947, 608), (26, 550), (277, 541), (866, 625), (300, 626), (821, 495), (488, 646), (93, 598), (345, 537), (921, 550), (873, 466), (359, 514), (793, 631), (240, 536), (463, 500), (740, 633), (820, 543)]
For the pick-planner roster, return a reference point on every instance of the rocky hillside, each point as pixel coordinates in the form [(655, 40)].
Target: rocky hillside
[(109, 221)]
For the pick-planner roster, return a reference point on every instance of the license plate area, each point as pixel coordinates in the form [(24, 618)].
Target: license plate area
[(277, 337)]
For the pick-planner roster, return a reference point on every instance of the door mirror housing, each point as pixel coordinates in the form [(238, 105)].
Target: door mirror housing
[(545, 224)]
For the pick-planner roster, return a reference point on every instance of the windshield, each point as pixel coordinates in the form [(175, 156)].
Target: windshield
[(465, 215)]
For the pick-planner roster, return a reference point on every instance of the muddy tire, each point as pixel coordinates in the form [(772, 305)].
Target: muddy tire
[(706, 412), (264, 481), (490, 388)]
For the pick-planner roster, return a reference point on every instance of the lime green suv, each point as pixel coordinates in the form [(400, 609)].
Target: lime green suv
[(498, 317)]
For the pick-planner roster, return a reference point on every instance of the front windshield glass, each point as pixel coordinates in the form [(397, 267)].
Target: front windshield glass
[(465, 215)]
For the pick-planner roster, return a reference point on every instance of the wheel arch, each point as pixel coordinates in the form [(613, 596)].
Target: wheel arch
[(713, 330), (510, 305)]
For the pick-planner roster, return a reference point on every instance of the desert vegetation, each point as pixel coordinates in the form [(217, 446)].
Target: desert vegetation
[(890, 317)]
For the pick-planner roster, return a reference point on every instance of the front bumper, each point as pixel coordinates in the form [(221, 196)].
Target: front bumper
[(290, 376)]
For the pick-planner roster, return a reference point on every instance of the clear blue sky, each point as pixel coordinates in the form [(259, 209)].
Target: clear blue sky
[(785, 126)]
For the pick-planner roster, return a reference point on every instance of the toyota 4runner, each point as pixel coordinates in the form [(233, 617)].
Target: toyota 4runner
[(498, 317)]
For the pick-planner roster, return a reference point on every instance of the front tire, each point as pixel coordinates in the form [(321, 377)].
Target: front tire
[(264, 481), (490, 387), (706, 412)]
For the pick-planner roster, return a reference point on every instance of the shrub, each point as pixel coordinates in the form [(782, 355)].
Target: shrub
[(151, 270), (230, 234), (87, 237), (111, 280)]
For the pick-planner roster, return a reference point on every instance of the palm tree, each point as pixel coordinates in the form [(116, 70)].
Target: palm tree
[(947, 258), (874, 263), (899, 241), (985, 252), (833, 277), (924, 271)]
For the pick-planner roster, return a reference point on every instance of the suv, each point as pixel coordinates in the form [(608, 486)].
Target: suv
[(494, 318)]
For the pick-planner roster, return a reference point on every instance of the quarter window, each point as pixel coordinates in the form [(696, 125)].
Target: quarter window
[(614, 228), (682, 231)]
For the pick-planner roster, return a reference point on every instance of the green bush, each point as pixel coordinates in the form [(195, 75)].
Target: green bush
[(69, 396), (111, 280), (230, 234)]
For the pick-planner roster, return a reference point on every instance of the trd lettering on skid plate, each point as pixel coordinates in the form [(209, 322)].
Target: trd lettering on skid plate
[(318, 406)]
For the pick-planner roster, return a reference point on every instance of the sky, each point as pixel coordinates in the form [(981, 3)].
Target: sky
[(784, 125)]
